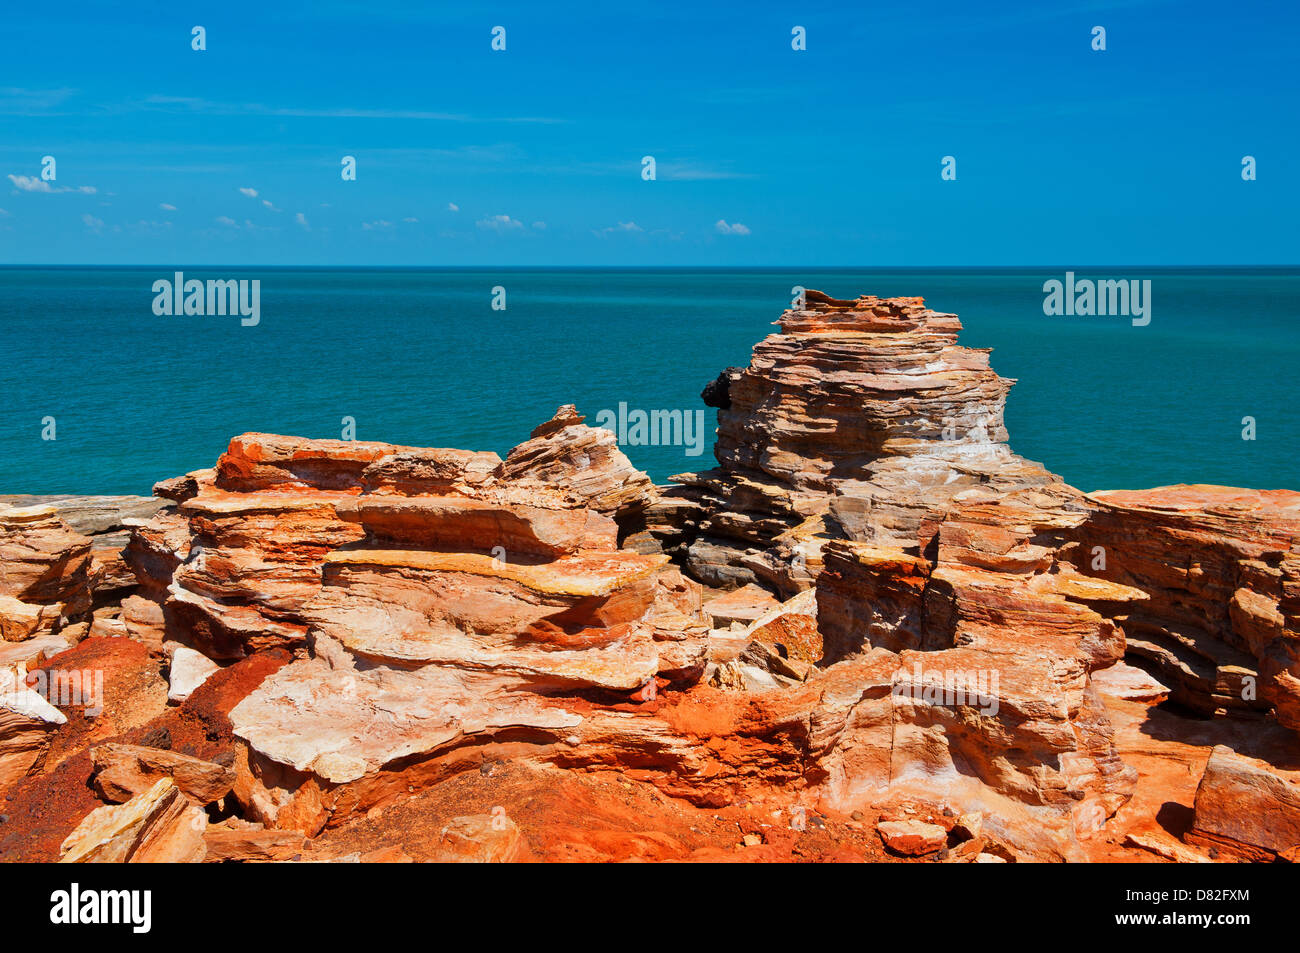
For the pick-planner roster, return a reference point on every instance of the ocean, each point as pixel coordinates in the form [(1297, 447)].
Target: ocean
[(420, 357)]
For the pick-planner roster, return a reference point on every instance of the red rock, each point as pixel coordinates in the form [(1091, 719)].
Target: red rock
[(1222, 569), (47, 573), (156, 826), (743, 605), (437, 471), (258, 461), (912, 838), (123, 771), (1122, 680), (471, 525), (861, 413), (481, 839), (399, 618), (251, 843), (1245, 807), (585, 461), (791, 628)]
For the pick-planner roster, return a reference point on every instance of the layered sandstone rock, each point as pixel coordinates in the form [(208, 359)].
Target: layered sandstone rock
[(1222, 569), (107, 521), (27, 720), (122, 771), (996, 639), (46, 578), (437, 598), (859, 417), (1247, 809), (914, 617), (158, 825), (45, 573)]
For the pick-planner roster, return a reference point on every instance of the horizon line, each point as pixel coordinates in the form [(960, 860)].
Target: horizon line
[(575, 267)]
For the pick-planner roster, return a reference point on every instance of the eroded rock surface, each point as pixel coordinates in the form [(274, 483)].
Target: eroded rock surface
[(871, 632), (856, 419)]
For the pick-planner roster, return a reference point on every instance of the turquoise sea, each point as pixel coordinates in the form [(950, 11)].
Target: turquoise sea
[(418, 356)]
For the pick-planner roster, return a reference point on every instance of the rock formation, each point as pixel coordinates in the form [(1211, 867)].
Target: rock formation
[(1222, 569), (872, 631), (45, 573), (857, 418)]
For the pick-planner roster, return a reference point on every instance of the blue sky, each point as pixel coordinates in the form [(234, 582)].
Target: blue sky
[(765, 155)]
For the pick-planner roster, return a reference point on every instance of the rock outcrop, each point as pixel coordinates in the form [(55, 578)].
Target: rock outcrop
[(1222, 569), (45, 573), (158, 825), (857, 419), (871, 620), (1247, 809), (436, 598)]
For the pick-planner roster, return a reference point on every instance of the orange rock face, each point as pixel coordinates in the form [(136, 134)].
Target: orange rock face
[(860, 414), (48, 573), (440, 654), (1222, 569)]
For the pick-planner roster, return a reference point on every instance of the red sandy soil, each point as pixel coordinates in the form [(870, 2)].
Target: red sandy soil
[(568, 815), (1169, 748), (40, 811), (601, 816)]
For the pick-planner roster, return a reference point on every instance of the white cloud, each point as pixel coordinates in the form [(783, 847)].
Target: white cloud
[(251, 193), (3, 212), (92, 223), (688, 172), (453, 207), (301, 219), (620, 227), (166, 207), (196, 104), (30, 183), (539, 226), (377, 224), (410, 220), (736, 229), (267, 203), (16, 101), (499, 223), (227, 220)]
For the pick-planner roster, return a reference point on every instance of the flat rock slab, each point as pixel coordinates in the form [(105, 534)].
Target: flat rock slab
[(189, 670), (912, 838), (1242, 804), (1129, 682), (579, 575), (34, 650), (341, 724), (123, 771), (90, 515), (159, 825), (255, 845), (745, 604)]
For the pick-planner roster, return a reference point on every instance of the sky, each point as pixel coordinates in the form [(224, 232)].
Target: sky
[(764, 155)]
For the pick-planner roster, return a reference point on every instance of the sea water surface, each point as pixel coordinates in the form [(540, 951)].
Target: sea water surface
[(419, 357)]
